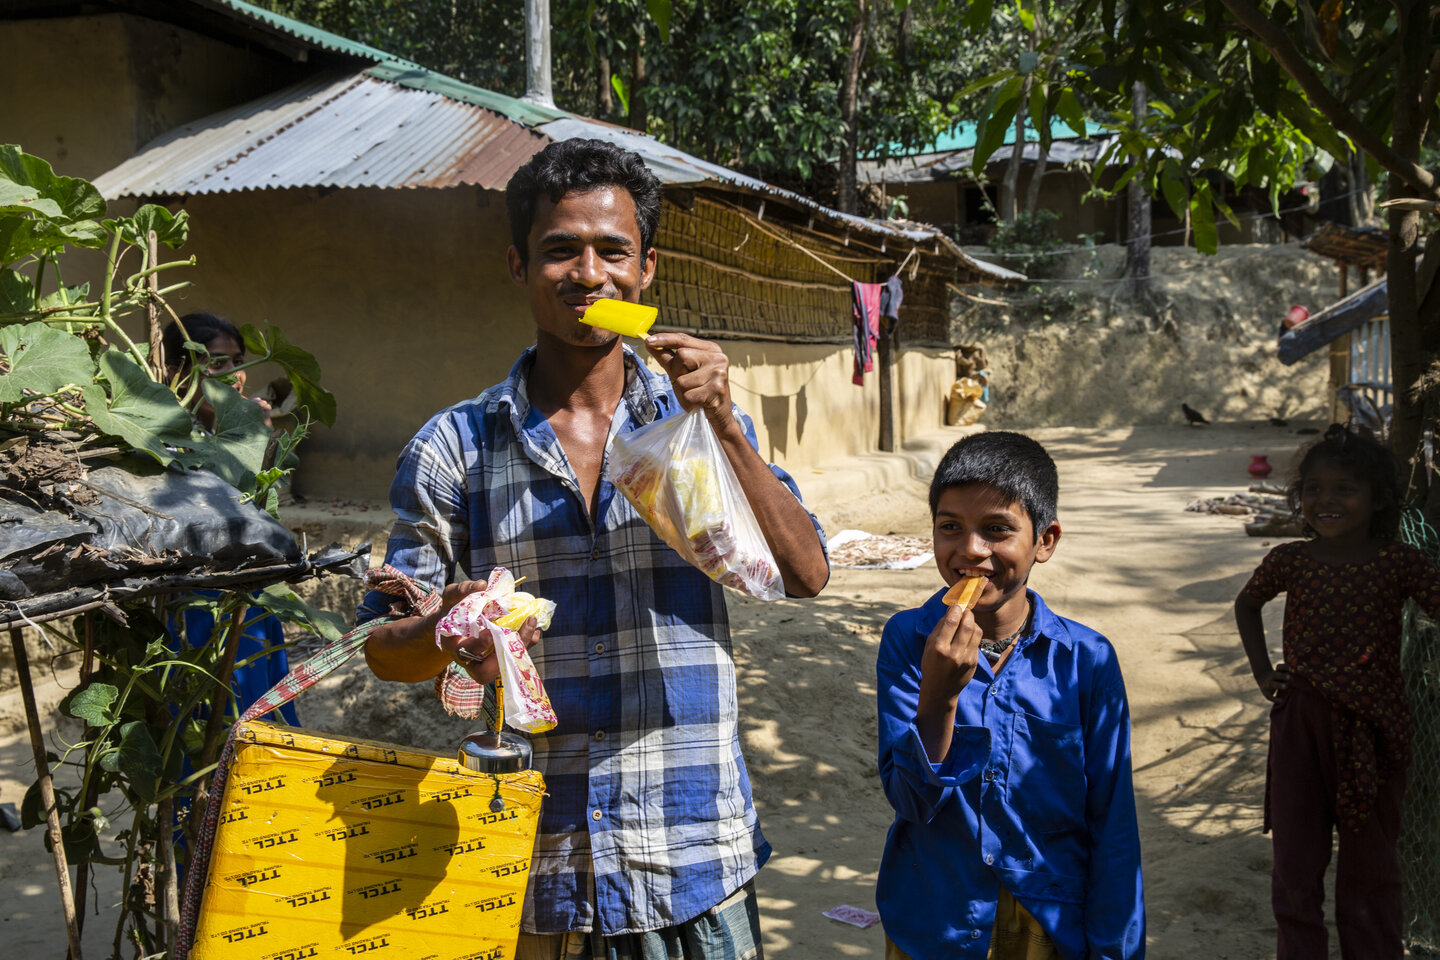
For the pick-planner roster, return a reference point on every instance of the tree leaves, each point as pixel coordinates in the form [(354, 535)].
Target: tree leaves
[(92, 704), (171, 229), (67, 207), (1202, 220), (659, 11), (1068, 108), (236, 450), (139, 411), (300, 366), (41, 360), (999, 114), (286, 604)]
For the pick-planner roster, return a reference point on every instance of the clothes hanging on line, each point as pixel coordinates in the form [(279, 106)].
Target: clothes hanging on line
[(865, 303)]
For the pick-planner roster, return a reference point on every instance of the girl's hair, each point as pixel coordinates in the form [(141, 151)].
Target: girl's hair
[(1369, 462), (203, 328)]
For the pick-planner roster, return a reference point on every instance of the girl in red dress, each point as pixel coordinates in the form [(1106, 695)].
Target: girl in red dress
[(1340, 726)]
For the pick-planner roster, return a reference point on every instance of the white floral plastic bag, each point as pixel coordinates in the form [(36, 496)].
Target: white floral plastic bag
[(677, 477), (498, 612)]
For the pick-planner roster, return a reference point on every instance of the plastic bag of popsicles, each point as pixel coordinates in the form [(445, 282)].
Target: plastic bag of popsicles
[(678, 479), (498, 612)]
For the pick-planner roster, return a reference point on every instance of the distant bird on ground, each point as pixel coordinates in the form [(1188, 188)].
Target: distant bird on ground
[(1193, 415), (1308, 430)]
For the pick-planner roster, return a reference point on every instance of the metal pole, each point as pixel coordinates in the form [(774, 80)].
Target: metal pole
[(537, 53), (47, 792)]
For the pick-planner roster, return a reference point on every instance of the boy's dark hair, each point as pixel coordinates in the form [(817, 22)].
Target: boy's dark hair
[(202, 328), (1015, 465), (581, 165), (1369, 461)]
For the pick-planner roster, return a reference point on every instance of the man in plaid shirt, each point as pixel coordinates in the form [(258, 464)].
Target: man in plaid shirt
[(648, 838)]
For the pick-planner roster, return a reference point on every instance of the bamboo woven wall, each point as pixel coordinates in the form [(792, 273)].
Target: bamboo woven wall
[(724, 271)]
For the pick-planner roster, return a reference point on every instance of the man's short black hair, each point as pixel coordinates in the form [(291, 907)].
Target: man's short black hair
[(581, 165), (1014, 465)]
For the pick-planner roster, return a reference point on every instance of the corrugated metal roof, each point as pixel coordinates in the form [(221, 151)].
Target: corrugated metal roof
[(399, 125), (332, 131)]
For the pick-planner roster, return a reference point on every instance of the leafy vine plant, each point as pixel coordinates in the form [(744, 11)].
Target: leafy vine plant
[(77, 389)]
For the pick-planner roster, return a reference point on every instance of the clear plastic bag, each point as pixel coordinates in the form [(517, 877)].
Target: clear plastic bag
[(679, 480)]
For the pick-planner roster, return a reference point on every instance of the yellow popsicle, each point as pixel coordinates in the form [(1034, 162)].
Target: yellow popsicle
[(621, 316)]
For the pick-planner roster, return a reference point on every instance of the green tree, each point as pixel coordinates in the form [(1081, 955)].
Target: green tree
[(1266, 93), (756, 87)]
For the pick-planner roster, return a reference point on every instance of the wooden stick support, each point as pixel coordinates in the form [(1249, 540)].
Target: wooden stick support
[(47, 792)]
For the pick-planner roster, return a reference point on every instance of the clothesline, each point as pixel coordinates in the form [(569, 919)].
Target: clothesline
[(971, 296)]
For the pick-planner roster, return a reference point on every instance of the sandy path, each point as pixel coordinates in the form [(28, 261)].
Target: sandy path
[(1132, 563)]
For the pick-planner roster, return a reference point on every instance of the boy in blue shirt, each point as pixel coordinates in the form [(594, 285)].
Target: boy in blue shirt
[(1015, 833)]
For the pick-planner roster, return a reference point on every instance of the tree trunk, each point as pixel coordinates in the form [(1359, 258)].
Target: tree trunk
[(639, 116), (1412, 344), (602, 89), (1407, 354), (1008, 205), (1137, 201), (849, 113), (1032, 190)]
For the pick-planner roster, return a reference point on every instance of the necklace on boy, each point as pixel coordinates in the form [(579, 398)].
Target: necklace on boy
[(995, 649)]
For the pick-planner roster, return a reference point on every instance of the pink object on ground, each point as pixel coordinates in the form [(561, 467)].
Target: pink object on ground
[(853, 916)]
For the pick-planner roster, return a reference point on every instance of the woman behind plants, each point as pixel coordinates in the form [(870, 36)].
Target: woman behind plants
[(226, 351), (260, 659)]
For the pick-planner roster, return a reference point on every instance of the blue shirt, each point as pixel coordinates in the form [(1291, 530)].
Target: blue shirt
[(1035, 795), (647, 793)]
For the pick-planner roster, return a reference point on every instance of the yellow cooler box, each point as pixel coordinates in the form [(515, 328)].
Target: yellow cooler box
[(339, 848)]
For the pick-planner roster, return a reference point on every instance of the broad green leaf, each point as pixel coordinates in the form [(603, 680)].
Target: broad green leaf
[(286, 604), (17, 293), (171, 229), (41, 359), (139, 411), (235, 451), (984, 83), (1039, 116), (978, 18), (65, 295), (1298, 111), (1172, 185), (32, 808), (995, 123), (29, 185), (139, 760), (1026, 15), (1202, 220), (299, 365), (660, 12), (92, 704), (1068, 108), (617, 83)]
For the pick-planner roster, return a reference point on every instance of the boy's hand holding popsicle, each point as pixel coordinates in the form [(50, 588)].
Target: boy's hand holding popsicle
[(951, 657)]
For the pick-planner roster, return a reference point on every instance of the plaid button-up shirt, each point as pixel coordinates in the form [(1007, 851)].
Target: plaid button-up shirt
[(648, 797)]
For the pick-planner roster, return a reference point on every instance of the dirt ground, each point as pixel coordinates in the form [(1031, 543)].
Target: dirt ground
[(1132, 562)]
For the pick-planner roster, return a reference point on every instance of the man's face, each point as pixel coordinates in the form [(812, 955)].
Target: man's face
[(582, 249)]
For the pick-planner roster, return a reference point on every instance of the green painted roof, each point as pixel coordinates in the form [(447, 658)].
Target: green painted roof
[(322, 39), (419, 78), (963, 136)]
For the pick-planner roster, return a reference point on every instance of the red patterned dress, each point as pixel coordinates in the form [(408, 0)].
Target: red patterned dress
[(1342, 639)]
